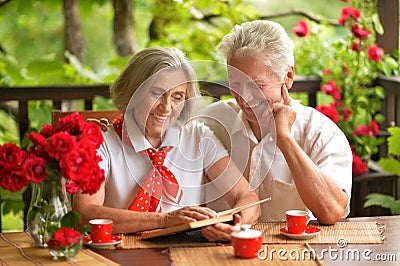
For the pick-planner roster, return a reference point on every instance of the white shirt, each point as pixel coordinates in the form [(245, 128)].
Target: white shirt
[(195, 150), (264, 165)]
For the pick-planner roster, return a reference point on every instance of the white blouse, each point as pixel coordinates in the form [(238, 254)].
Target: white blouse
[(195, 150)]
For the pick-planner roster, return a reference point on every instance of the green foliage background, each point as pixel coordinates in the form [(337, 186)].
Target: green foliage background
[(391, 165)]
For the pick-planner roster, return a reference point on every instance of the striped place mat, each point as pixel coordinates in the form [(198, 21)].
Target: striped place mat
[(349, 232), (18, 249), (224, 255), (182, 239)]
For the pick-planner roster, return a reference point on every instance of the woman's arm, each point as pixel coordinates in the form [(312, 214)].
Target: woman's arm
[(231, 180), (127, 221)]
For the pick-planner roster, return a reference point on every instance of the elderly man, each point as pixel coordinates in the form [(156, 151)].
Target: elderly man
[(287, 151)]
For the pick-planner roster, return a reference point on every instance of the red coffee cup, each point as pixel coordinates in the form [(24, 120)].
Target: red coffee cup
[(247, 242), (101, 230), (297, 221)]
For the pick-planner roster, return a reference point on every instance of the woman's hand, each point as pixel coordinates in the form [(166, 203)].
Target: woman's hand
[(187, 214), (221, 231)]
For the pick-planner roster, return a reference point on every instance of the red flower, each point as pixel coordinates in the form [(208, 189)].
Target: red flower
[(355, 47), (359, 166), (36, 168), (330, 88), (346, 113), (13, 177), (11, 153), (47, 131), (371, 130), (327, 71), (39, 142), (361, 130), (374, 53), (359, 32), (64, 237), (374, 128), (68, 123), (330, 111), (301, 30), (89, 131), (60, 144), (348, 11), (78, 163)]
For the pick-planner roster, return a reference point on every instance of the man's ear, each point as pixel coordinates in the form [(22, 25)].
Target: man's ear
[(289, 78)]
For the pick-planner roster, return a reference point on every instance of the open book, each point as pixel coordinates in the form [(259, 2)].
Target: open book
[(223, 217)]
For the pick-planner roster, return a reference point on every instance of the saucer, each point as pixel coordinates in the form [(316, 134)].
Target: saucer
[(310, 232), (115, 240)]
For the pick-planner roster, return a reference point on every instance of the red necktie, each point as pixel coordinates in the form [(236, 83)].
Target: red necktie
[(160, 181)]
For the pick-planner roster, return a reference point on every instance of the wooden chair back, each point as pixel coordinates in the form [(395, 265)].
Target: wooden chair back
[(98, 116)]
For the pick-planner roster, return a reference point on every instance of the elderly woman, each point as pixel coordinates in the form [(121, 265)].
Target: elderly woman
[(295, 155), (155, 158)]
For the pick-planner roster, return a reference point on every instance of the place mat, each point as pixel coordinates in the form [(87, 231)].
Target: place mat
[(182, 239), (345, 232), (18, 249), (224, 255)]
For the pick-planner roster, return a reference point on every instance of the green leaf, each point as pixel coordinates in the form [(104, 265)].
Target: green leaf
[(71, 219), (384, 201), (385, 68), (83, 229), (380, 92), (394, 141), (379, 118), (84, 72), (390, 61), (390, 165), (377, 24), (52, 229), (12, 205)]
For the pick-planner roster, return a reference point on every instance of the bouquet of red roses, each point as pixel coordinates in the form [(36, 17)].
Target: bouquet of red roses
[(67, 150)]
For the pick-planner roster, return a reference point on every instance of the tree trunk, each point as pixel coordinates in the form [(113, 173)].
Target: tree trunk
[(74, 42), (164, 13), (124, 39)]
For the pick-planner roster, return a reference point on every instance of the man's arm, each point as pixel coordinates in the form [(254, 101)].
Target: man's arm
[(321, 193)]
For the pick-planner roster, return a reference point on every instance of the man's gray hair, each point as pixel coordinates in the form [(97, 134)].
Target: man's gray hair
[(263, 38)]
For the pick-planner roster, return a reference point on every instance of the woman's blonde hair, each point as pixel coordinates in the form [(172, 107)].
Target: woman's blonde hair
[(144, 65), (263, 38)]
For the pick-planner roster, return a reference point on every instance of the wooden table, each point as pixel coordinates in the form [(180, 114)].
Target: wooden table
[(17, 249), (389, 250)]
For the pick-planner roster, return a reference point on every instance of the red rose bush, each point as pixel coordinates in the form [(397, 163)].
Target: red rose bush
[(348, 68)]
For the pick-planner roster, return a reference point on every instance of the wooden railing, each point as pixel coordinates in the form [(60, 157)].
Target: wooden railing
[(87, 93), (391, 105)]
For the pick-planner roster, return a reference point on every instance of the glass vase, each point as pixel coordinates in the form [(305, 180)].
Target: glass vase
[(48, 205)]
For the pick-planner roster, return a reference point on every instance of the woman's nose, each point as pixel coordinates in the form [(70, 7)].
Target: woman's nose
[(165, 103)]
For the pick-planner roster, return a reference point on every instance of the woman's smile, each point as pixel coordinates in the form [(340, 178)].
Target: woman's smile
[(160, 118)]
